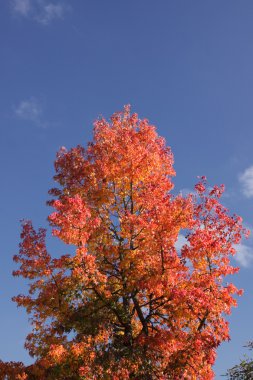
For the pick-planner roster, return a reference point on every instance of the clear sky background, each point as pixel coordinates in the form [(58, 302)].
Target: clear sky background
[(185, 65)]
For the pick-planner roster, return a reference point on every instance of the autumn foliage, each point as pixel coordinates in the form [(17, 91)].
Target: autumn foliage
[(125, 303)]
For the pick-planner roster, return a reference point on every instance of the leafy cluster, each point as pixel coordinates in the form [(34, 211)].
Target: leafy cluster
[(243, 370)]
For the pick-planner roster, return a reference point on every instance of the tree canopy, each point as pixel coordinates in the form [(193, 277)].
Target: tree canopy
[(243, 370), (127, 304)]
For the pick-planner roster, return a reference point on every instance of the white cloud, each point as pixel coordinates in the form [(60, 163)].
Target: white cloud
[(185, 192), (244, 255), (49, 12), (22, 7), (246, 180), (180, 242), (30, 110), (41, 11)]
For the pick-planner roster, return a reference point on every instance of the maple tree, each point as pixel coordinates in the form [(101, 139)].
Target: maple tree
[(127, 304)]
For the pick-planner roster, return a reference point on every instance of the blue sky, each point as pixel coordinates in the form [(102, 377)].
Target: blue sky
[(185, 65)]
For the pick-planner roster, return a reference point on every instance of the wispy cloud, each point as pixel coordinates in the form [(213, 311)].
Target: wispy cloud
[(50, 12), (30, 110), (22, 7), (244, 255), (41, 11), (181, 241), (185, 192), (246, 180)]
